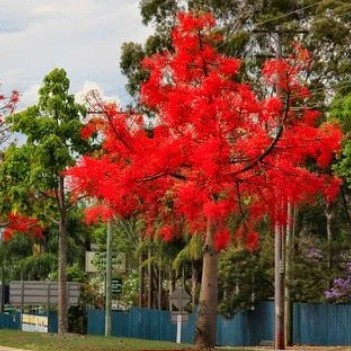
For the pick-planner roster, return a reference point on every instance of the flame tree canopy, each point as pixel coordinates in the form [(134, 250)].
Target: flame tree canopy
[(212, 141), (210, 146)]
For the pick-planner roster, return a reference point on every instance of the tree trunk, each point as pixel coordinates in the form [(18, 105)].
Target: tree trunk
[(288, 266), (159, 293), (149, 279), (171, 286), (205, 329), (154, 289), (62, 265), (329, 214), (141, 282), (193, 286)]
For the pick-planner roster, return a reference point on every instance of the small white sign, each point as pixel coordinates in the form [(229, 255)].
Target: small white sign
[(175, 315), (94, 259)]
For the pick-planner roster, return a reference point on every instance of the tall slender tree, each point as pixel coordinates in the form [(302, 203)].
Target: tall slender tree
[(35, 170)]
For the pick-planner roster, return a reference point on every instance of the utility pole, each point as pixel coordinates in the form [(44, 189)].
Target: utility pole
[(108, 279), (288, 264), (278, 289), (149, 278), (279, 231), (279, 338)]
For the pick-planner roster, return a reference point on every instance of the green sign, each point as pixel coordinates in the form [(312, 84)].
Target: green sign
[(116, 285)]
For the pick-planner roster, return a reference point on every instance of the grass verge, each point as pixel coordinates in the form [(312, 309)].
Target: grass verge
[(53, 342)]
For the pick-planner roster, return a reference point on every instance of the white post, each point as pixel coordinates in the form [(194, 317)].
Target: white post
[(179, 328)]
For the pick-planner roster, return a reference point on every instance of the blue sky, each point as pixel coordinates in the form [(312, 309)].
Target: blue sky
[(82, 36)]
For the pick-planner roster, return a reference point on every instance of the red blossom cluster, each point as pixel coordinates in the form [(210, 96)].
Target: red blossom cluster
[(15, 223), (215, 148), (8, 103), (7, 106), (98, 212), (21, 224)]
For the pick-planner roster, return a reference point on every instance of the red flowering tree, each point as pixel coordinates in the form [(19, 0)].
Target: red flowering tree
[(21, 224), (13, 223), (7, 106), (212, 147)]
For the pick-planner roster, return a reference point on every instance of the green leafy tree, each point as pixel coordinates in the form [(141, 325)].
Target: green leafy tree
[(245, 278), (189, 262), (341, 110), (35, 171)]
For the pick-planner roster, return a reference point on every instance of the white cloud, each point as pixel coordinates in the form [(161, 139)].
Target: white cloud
[(29, 97), (82, 36), (88, 86)]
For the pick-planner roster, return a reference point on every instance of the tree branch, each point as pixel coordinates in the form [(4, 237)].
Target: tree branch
[(271, 147)]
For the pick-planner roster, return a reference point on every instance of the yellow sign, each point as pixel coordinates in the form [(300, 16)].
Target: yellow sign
[(95, 261), (35, 323)]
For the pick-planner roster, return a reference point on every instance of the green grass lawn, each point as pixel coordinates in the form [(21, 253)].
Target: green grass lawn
[(53, 342)]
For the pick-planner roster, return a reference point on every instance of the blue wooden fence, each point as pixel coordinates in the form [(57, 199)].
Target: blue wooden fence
[(241, 330), (321, 324), (14, 321), (10, 320), (313, 324), (140, 323)]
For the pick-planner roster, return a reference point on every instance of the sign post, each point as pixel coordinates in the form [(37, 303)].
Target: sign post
[(40, 293), (116, 286), (95, 262), (179, 298), (179, 329)]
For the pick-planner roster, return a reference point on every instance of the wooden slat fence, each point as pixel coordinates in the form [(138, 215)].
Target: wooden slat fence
[(313, 324)]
